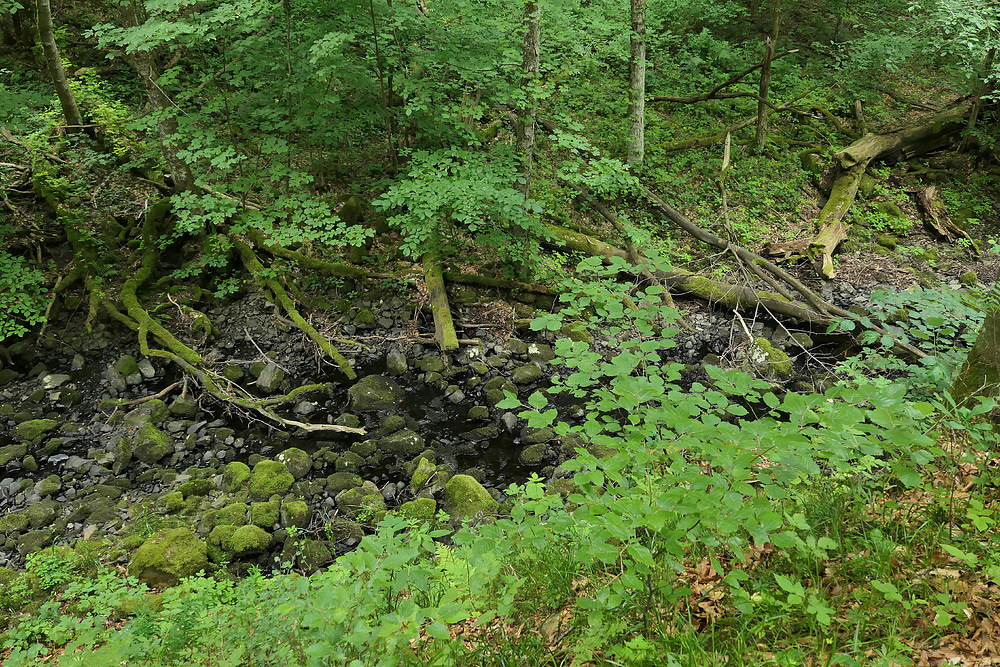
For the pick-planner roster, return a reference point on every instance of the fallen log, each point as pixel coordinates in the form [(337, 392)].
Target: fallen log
[(852, 162), (444, 326), (735, 297)]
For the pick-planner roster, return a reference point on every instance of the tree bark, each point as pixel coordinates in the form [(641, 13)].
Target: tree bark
[(528, 113), (166, 118), (637, 84), (765, 80), (46, 35), (980, 374), (934, 132), (984, 89)]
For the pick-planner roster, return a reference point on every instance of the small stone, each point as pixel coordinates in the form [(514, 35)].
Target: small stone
[(270, 378), (526, 374), (395, 363), (52, 381)]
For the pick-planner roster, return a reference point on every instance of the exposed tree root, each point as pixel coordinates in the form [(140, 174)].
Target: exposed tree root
[(483, 281), (256, 269), (932, 133), (444, 326)]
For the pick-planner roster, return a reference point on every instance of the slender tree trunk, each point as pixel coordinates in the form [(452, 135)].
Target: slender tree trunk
[(7, 26), (166, 118), (765, 80), (637, 84), (984, 89), (980, 374), (528, 113), (47, 38)]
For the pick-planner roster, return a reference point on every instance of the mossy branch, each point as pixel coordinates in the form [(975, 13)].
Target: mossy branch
[(253, 265)]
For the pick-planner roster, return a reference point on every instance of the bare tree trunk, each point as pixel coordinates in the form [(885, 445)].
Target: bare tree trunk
[(528, 113), (637, 84), (765, 80), (166, 119), (47, 37)]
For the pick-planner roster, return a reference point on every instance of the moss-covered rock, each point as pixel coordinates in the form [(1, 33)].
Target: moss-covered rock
[(235, 476), (269, 478), (341, 481), (887, 241), (153, 412), (166, 558), (265, 514), (220, 543), (365, 318), (364, 502), (173, 502), (34, 430), (421, 509), (297, 461), (13, 523), (772, 361), (465, 498), (249, 540), (313, 555), (42, 513), (196, 487), (295, 513), (422, 476), (151, 444), (526, 374), (233, 514), (49, 486), (532, 455), (577, 332), (402, 443), (375, 392), (968, 279), (12, 453)]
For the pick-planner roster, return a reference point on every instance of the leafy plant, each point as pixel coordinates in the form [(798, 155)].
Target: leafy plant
[(21, 296)]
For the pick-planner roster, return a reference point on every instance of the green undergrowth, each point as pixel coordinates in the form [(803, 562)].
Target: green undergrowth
[(856, 526)]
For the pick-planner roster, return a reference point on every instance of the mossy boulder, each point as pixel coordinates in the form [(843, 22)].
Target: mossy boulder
[(365, 318), (968, 279), (220, 543), (270, 378), (771, 360), (532, 455), (235, 476), (43, 513), (34, 430), (153, 412), (196, 487), (152, 444), (269, 478), (173, 502), (12, 453), (297, 461), (249, 540), (265, 514), (526, 374), (295, 513), (49, 486), (364, 502), (421, 509), (166, 558), (313, 555), (422, 476), (465, 498), (375, 392), (402, 443), (887, 241), (577, 332), (341, 481), (233, 514), (13, 523)]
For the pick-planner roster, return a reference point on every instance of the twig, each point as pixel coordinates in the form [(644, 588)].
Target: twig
[(159, 394)]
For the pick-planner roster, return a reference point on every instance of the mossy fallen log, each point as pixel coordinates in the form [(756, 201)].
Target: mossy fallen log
[(735, 297), (901, 144), (444, 326)]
